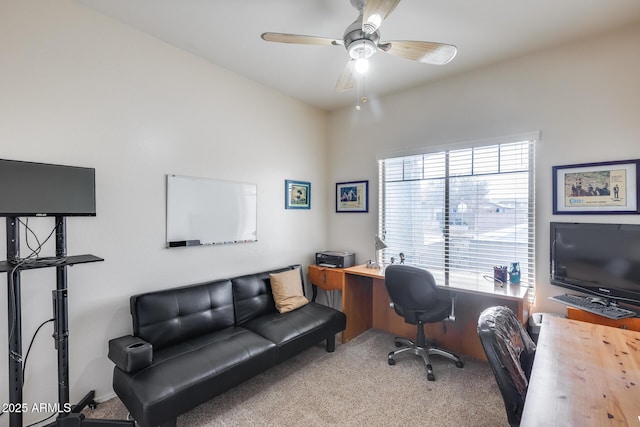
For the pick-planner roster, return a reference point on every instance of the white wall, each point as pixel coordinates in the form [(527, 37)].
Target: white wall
[(584, 97), (78, 88), (81, 89)]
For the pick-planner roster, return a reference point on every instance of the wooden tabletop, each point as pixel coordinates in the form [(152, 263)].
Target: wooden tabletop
[(458, 281), (584, 375)]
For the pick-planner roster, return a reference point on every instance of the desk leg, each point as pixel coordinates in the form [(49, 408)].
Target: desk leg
[(357, 305)]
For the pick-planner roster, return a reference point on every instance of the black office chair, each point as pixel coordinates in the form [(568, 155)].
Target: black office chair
[(510, 352), (415, 297)]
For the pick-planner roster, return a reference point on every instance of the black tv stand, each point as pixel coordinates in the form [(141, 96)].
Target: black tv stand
[(72, 417)]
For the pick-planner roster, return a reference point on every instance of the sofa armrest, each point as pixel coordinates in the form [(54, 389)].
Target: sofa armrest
[(130, 353)]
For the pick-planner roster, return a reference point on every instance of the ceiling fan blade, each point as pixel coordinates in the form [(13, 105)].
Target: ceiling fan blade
[(347, 79), (375, 12), (427, 52), (299, 39)]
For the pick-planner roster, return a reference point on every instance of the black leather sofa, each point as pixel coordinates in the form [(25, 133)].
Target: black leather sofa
[(192, 343)]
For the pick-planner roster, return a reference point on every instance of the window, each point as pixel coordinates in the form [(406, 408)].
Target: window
[(460, 212)]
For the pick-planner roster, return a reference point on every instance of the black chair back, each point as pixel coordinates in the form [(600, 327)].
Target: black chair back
[(412, 291), (510, 352)]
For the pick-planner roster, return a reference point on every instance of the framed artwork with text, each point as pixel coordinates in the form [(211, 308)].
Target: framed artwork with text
[(596, 188), (352, 196)]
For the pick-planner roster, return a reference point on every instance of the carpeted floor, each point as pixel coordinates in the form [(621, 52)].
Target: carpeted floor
[(354, 386)]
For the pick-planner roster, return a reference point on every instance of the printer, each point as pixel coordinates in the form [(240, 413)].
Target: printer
[(335, 259)]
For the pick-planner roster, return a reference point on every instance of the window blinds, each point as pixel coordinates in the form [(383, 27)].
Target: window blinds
[(461, 210)]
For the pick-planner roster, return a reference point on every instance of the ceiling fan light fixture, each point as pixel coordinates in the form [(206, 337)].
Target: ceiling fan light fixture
[(361, 65), (361, 49)]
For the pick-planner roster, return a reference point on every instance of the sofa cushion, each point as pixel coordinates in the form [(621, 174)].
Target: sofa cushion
[(299, 329), (171, 316), (187, 374), (287, 290)]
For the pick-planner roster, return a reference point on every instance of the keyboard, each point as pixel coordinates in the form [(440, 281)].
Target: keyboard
[(587, 304)]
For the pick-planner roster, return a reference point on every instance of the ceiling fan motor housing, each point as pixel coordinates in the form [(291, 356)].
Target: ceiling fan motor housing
[(358, 4), (358, 43)]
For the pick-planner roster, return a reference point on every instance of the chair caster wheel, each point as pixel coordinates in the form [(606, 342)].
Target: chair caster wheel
[(459, 364), (92, 405), (391, 362), (431, 377)]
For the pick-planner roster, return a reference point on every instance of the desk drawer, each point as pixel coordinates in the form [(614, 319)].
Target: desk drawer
[(326, 278)]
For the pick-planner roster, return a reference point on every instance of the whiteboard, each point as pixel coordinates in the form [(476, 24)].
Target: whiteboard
[(203, 211)]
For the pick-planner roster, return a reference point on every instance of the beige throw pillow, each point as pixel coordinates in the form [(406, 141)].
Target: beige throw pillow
[(287, 290)]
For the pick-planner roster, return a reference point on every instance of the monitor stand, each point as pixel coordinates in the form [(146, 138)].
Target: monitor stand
[(76, 418), (60, 335)]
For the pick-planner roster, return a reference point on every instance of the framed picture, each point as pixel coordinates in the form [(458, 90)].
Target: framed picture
[(352, 196), (597, 188), (297, 194)]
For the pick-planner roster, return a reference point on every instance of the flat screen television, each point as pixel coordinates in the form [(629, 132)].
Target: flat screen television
[(40, 189), (597, 259)]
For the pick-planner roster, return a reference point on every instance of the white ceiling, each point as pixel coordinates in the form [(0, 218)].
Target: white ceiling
[(227, 33)]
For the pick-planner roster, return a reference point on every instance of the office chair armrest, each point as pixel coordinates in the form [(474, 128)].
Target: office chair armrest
[(452, 315)]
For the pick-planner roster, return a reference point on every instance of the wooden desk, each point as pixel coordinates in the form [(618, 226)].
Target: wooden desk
[(631, 323), (366, 303), (584, 375)]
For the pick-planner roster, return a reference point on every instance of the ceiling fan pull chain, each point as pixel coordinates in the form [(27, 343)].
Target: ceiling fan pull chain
[(361, 98), (358, 88)]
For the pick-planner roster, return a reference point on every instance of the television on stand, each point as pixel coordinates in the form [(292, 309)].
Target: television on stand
[(29, 189), (602, 260)]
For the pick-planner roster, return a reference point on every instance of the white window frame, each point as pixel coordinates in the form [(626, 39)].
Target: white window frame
[(528, 279)]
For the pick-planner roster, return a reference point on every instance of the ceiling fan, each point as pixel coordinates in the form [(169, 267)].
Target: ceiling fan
[(362, 39)]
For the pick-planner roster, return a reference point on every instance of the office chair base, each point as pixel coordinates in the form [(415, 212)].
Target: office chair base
[(408, 346), (400, 342)]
